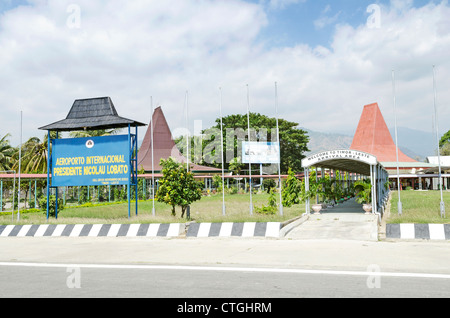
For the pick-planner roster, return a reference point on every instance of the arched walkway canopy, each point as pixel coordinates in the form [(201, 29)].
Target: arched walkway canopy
[(352, 161)]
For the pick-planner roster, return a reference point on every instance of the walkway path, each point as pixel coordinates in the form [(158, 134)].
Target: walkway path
[(344, 221)]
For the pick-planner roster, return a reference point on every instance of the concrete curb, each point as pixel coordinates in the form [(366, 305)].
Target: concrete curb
[(290, 225), (418, 231), (247, 229), (93, 230)]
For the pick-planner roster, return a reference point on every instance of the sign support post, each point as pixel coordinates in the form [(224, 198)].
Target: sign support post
[(48, 170)]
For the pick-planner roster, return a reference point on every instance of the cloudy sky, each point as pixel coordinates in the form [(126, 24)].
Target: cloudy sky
[(329, 59)]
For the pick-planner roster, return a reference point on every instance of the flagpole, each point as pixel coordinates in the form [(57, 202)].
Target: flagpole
[(20, 163), (249, 157), (187, 136), (442, 205), (221, 138), (153, 164), (399, 204), (188, 209), (279, 148)]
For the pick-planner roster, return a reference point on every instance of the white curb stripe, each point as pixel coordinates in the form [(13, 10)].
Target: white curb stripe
[(95, 230), (58, 230), (7, 230), (249, 229), (153, 230), (24, 230), (174, 230), (436, 231), (273, 229), (225, 229), (76, 230), (41, 230), (133, 230), (407, 231), (113, 230), (204, 229)]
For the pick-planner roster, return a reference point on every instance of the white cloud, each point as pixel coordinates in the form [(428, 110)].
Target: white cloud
[(324, 19), (282, 4), (133, 50)]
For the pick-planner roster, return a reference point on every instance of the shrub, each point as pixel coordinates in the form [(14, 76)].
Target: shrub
[(51, 205), (271, 208)]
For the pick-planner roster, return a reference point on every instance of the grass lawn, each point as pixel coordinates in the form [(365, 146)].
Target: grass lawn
[(208, 209), (419, 207)]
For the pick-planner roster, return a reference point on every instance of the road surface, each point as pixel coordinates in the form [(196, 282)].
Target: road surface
[(213, 267)]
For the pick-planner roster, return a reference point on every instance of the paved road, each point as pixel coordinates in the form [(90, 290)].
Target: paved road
[(421, 256), (343, 267), (331, 255), (138, 281)]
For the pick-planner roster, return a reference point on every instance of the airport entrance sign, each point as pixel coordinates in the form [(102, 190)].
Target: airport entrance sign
[(92, 161)]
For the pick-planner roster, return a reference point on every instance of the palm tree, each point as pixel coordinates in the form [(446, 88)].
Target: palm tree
[(34, 156), (6, 153)]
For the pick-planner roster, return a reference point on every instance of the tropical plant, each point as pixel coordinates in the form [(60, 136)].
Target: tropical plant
[(269, 184), (217, 182), (34, 156), (327, 188), (292, 189), (363, 189), (315, 187), (177, 187), (271, 208), (236, 165), (6, 153), (51, 205)]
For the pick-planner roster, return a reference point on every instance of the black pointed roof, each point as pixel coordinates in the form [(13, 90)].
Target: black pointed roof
[(92, 114)]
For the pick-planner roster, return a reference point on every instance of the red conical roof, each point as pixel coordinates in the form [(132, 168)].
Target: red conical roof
[(163, 148), (373, 136)]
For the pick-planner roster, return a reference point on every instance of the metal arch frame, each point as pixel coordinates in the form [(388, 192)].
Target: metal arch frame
[(378, 175)]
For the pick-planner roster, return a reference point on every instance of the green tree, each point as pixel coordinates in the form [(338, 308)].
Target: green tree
[(6, 153), (444, 144), (34, 156), (445, 149), (177, 187), (445, 139), (293, 141)]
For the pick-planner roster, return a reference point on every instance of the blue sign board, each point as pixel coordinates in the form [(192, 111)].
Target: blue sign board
[(91, 161)]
